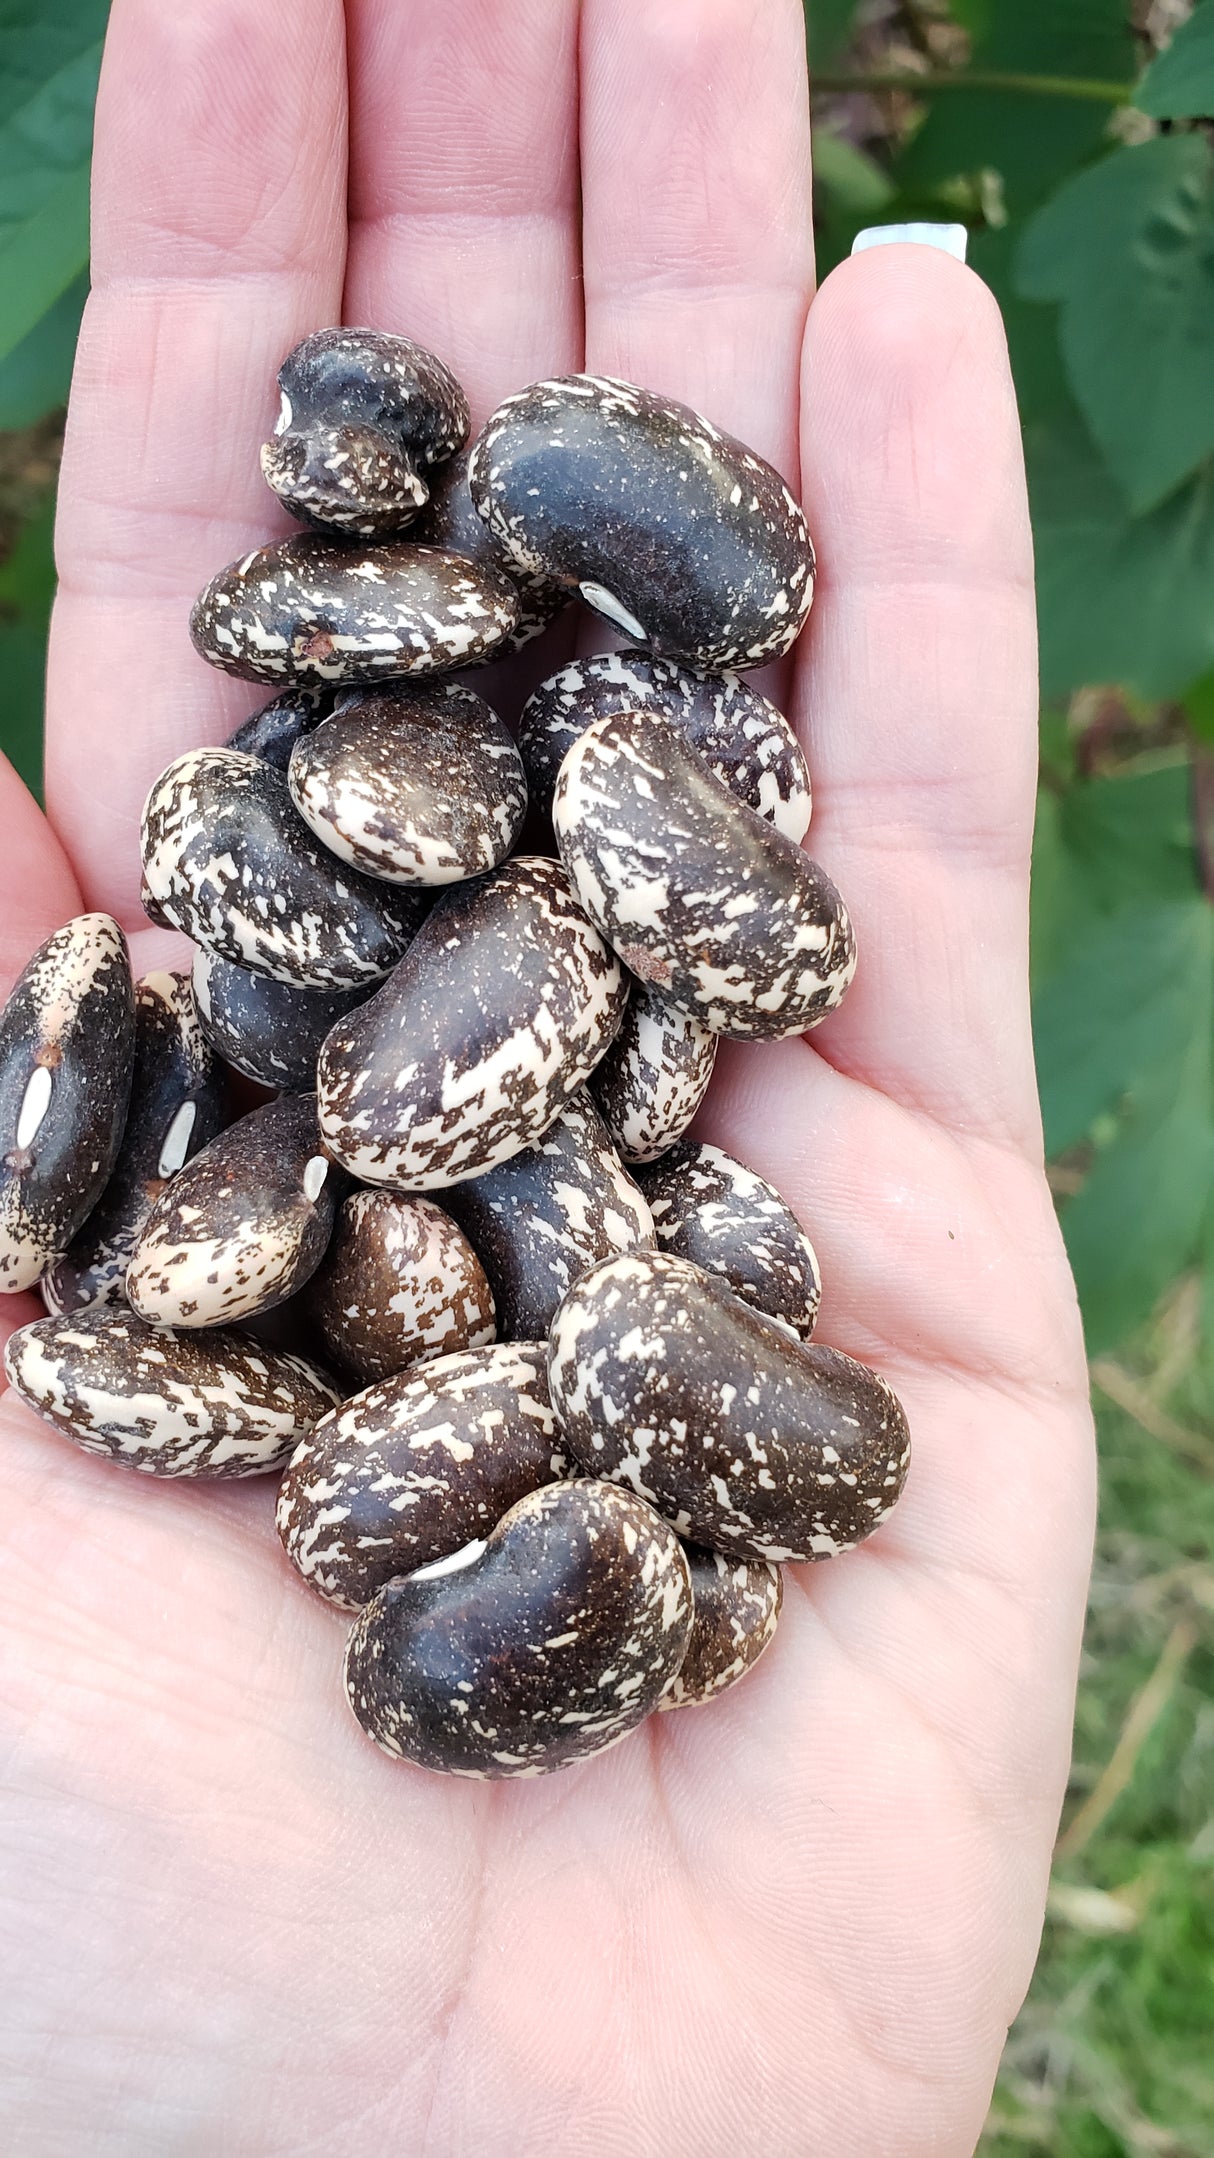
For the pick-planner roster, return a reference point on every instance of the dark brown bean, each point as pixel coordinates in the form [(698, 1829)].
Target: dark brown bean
[(399, 1285)]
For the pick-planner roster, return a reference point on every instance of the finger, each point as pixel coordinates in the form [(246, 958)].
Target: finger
[(219, 218), (464, 184), (697, 235), (919, 683)]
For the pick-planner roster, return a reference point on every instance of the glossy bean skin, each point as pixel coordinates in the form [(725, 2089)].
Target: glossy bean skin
[(67, 1055), (504, 1003), (243, 1226), (316, 610), (747, 1440), (422, 788), (541, 1218), (178, 1103), (541, 1646), (738, 732), (737, 1604), (450, 519), (654, 1076), (363, 418), (269, 1030), (699, 896), (673, 530), (409, 1470), (273, 730), (165, 1403), (709, 1208), (399, 1285), (227, 858)]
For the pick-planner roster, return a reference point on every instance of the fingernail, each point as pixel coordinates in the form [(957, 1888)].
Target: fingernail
[(950, 239)]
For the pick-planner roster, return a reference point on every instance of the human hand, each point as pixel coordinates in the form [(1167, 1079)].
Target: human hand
[(802, 1923)]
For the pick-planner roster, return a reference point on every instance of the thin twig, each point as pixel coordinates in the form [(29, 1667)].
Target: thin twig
[(1073, 86), (1136, 1402), (1145, 1712)]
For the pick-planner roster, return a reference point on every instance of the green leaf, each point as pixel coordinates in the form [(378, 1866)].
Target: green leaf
[(1032, 328), (1119, 598), (1198, 702), (1030, 141), (37, 375), (50, 51), (828, 25), (1127, 248), (1137, 1223), (1118, 1013), (856, 183), (1179, 84), (27, 587), (1129, 841)]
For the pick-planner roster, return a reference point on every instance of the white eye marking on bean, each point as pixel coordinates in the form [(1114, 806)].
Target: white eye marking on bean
[(315, 1172), (467, 1555), (606, 603), (177, 1140), (285, 416), (35, 1102)]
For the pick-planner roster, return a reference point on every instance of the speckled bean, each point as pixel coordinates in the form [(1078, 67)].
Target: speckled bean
[(738, 732), (364, 415), (400, 1284), (541, 1646), (409, 1470), (505, 1001), (674, 531), (166, 1403), (421, 786), (708, 1208), (654, 1076), (271, 1031), (698, 895), (273, 730), (737, 1603), (67, 1052), (227, 858), (450, 519), (243, 1226), (318, 610), (177, 1105), (541, 1218), (746, 1439)]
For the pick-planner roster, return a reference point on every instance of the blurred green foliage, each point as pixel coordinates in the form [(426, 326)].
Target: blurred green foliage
[(1081, 157)]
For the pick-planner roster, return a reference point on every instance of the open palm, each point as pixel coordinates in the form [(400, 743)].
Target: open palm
[(798, 1923)]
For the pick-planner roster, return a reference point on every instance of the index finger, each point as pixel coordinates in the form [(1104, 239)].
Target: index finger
[(218, 240)]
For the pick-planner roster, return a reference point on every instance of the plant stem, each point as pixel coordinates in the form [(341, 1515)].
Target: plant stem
[(1091, 90)]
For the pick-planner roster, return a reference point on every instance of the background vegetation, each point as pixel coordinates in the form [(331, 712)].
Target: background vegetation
[(1075, 139)]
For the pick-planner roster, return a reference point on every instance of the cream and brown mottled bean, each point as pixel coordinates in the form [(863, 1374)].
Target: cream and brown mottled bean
[(418, 786), (541, 1218), (273, 730), (699, 896), (451, 519), (271, 1031), (67, 1052), (408, 1471), (399, 1285), (737, 1603), (319, 610), (364, 416), (243, 1226), (542, 1645), (227, 858), (166, 1403), (708, 1208), (738, 732), (654, 1076), (746, 1439), (177, 1105), (502, 1006), (674, 531)]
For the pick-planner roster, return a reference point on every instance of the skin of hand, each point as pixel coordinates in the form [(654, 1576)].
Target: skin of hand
[(801, 1922)]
